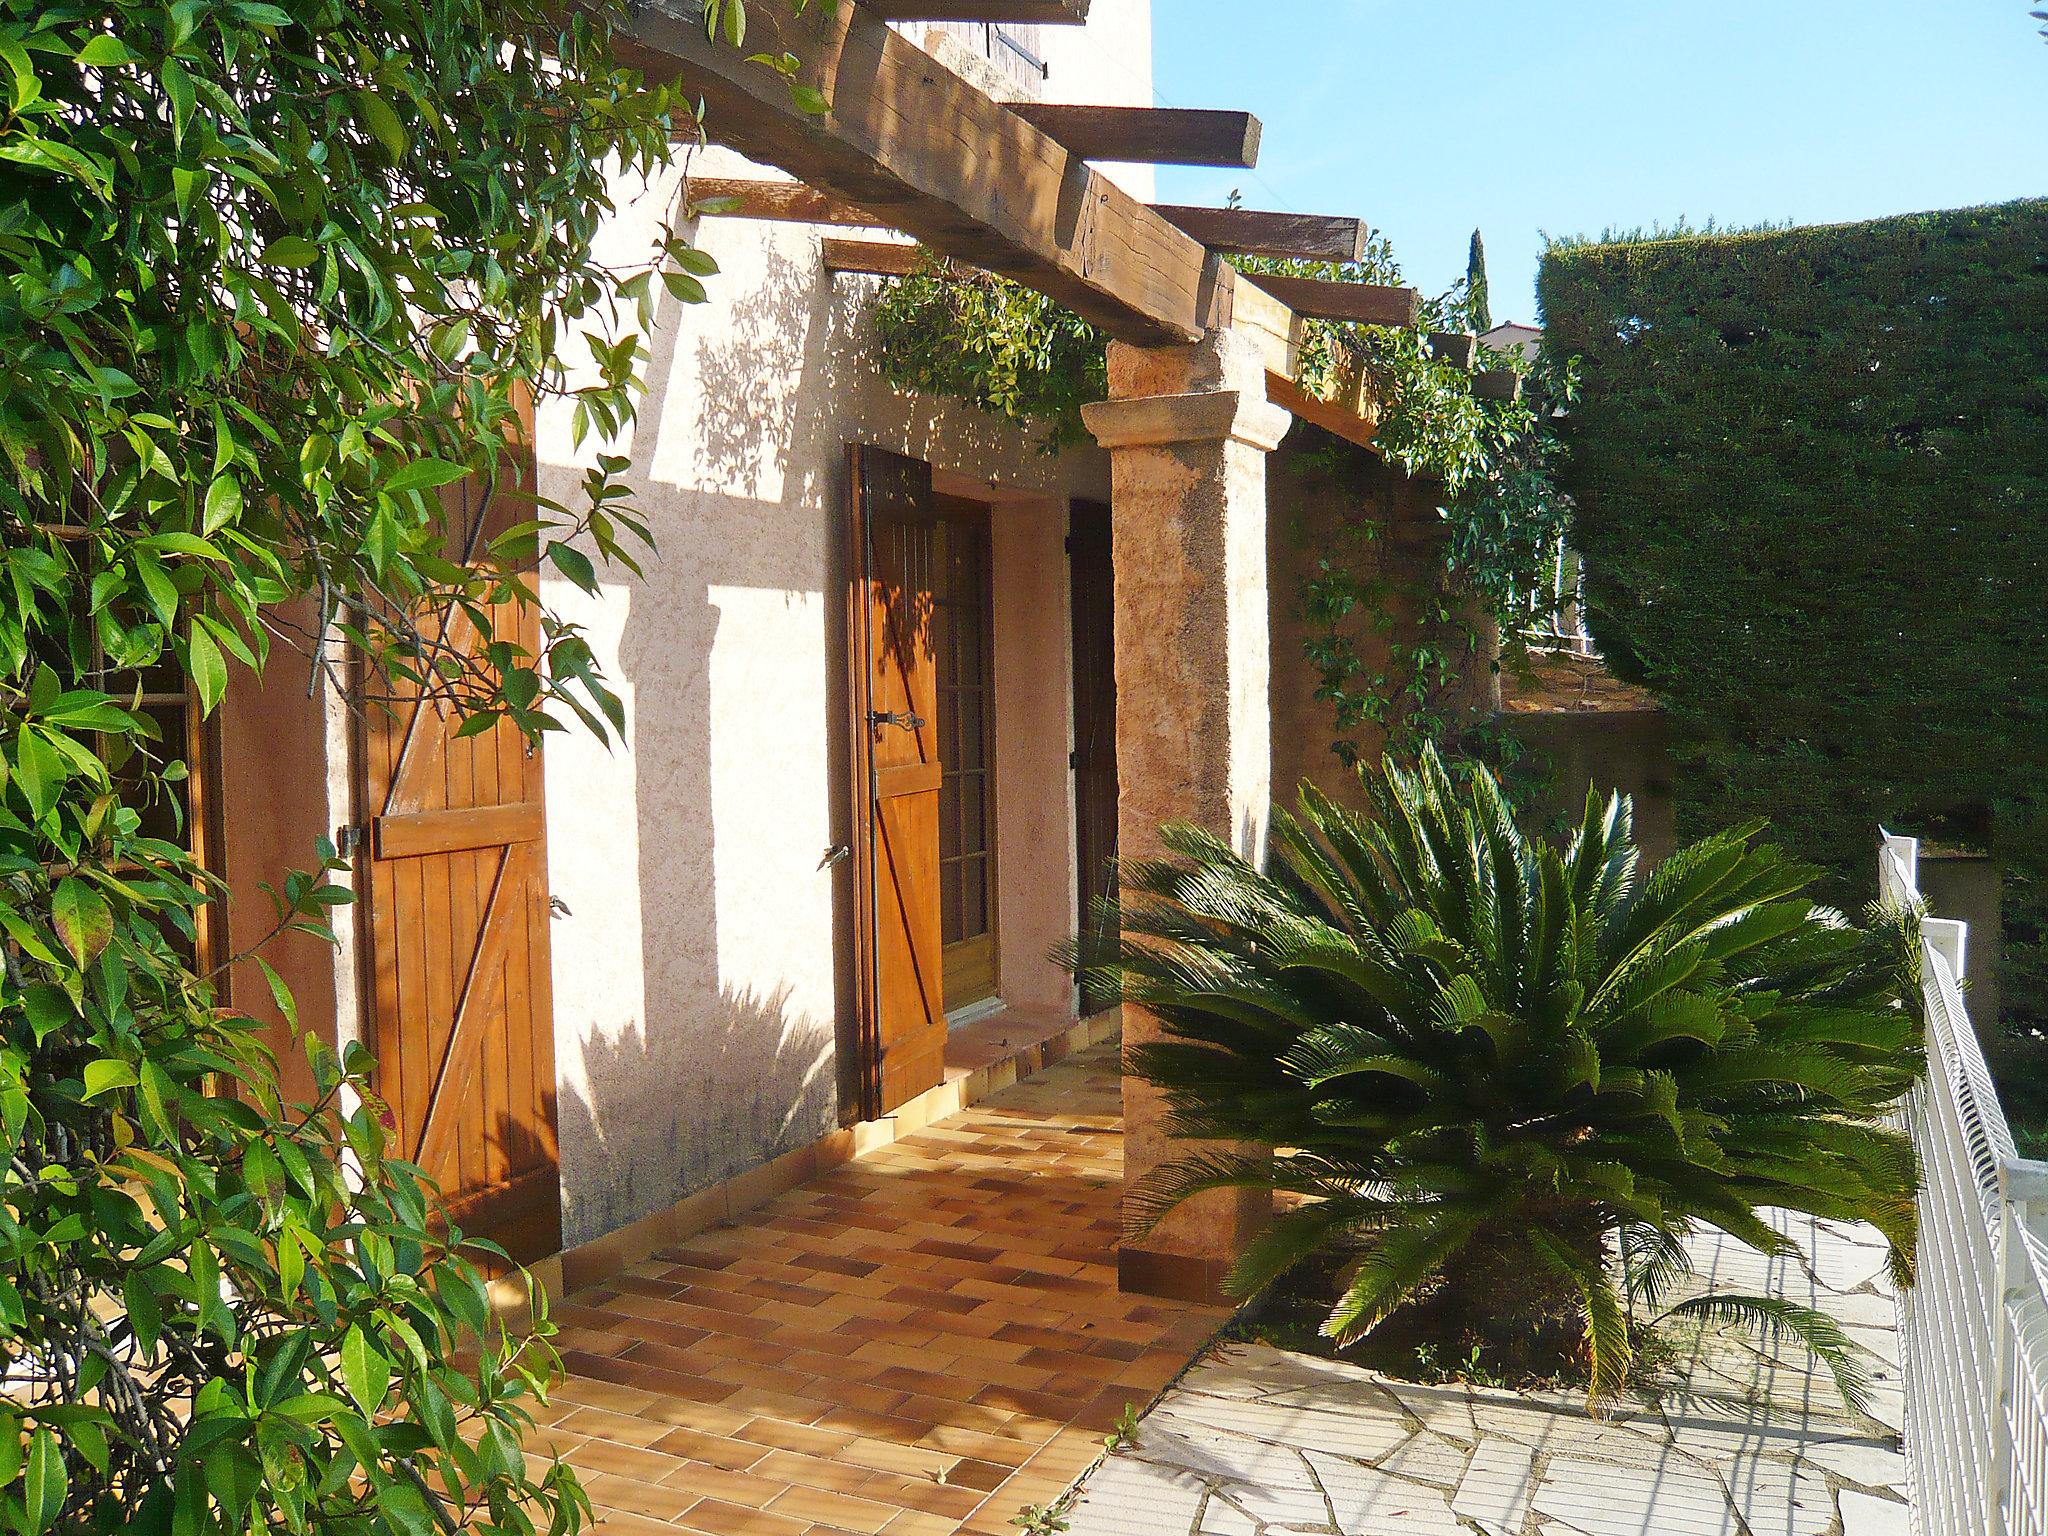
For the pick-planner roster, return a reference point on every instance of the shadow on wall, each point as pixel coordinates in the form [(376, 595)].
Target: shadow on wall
[(707, 1089), (717, 1063)]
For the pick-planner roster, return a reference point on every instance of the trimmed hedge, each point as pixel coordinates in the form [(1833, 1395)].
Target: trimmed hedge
[(1811, 468)]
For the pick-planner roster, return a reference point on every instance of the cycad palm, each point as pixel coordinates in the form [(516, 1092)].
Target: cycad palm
[(1475, 1053)]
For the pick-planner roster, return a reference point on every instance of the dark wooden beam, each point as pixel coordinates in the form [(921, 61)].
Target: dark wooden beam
[(875, 258), (1247, 232), (1362, 303), (913, 143), (788, 202), (1149, 135), (1497, 384), (1454, 347), (1003, 12), (1328, 415)]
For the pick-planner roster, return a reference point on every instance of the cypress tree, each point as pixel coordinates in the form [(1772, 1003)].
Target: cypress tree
[(1475, 286)]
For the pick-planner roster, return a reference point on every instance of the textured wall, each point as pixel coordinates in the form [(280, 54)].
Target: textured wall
[(699, 978), (1311, 511)]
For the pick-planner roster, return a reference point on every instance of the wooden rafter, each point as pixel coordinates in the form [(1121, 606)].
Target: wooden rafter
[(1497, 384), (874, 258), (1003, 12), (1361, 303), (1240, 231), (1327, 414), (915, 144), (1250, 232), (1457, 348), (1149, 135), (788, 202)]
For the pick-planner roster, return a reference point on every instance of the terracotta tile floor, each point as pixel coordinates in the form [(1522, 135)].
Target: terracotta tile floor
[(917, 1343)]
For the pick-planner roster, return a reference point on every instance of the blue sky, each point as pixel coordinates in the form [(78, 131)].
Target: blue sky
[(1428, 117)]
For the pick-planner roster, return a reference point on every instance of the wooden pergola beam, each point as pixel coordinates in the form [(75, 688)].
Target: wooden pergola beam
[(786, 202), (1457, 348), (1327, 414), (874, 258), (1497, 384), (1249, 232), (1149, 135), (1002, 12), (1361, 303), (1241, 231), (913, 143)]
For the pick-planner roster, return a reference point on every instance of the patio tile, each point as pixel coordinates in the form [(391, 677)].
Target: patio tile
[(917, 1342)]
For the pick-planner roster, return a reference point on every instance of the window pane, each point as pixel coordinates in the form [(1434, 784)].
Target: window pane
[(950, 930), (973, 814), (973, 898)]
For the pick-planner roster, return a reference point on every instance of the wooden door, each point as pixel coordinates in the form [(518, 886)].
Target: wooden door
[(898, 773), (461, 1006), (1093, 606)]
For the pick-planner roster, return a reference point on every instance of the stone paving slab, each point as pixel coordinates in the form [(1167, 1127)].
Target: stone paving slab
[(1756, 1442)]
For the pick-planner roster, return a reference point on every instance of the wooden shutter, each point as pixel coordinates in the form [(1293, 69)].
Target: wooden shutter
[(1093, 606), (462, 1017), (897, 777)]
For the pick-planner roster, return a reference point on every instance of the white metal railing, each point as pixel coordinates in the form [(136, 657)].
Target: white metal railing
[(1554, 609), (1974, 1325)]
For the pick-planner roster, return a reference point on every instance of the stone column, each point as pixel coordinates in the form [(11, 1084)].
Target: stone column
[(1188, 429)]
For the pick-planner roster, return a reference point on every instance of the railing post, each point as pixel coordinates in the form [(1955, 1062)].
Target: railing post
[(1950, 938)]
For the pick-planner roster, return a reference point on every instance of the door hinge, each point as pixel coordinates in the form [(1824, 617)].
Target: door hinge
[(348, 839)]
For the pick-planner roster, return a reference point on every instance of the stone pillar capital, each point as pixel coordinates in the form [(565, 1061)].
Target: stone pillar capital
[(1223, 415)]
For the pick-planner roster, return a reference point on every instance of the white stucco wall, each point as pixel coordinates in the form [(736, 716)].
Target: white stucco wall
[(699, 969)]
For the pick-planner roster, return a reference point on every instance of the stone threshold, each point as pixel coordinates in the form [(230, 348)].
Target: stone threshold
[(991, 1063)]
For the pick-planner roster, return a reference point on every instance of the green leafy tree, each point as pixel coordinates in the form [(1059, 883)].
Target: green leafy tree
[(1478, 305), (1477, 1062), (270, 279)]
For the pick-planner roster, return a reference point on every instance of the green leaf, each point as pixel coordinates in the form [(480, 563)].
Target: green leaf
[(107, 1074), (105, 51), (178, 87), (377, 116), (82, 919), (145, 1311), (208, 667), (574, 564), (291, 251), (280, 994), (44, 1483), (364, 1370), (423, 474), (39, 770), (223, 504)]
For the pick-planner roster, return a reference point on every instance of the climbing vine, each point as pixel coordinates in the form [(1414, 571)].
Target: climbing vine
[(1009, 350)]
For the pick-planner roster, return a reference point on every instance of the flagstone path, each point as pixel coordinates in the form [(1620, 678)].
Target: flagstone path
[(1754, 1442)]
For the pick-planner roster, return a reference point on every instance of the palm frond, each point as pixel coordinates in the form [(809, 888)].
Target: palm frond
[(1774, 1319)]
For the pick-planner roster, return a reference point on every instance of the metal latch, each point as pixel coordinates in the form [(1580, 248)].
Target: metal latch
[(902, 719)]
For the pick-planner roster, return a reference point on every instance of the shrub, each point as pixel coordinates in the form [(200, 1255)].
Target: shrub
[(1810, 476), (270, 279), (1474, 1060)]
